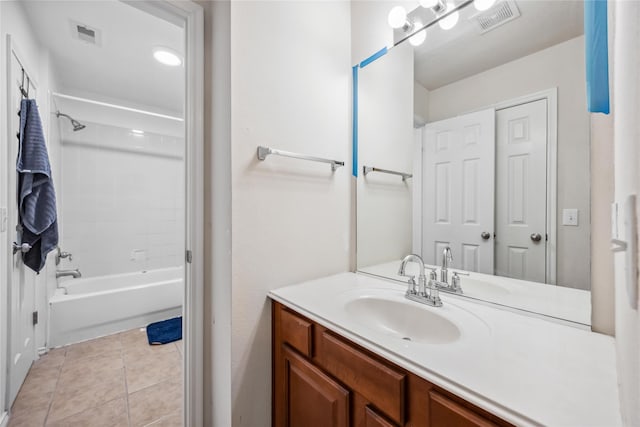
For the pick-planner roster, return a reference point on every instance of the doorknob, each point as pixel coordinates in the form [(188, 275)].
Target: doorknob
[(536, 237), (485, 235)]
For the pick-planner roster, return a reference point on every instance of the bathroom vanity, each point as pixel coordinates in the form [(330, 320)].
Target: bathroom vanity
[(350, 350), (323, 379)]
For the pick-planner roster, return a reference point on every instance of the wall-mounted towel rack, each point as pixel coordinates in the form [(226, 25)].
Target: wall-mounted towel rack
[(263, 152), (367, 169)]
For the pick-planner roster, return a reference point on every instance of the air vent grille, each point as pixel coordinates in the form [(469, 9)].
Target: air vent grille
[(498, 15), (85, 33)]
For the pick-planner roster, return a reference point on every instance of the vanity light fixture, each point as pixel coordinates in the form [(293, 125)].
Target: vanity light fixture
[(450, 21), (398, 18), (167, 56), (483, 4), (418, 38)]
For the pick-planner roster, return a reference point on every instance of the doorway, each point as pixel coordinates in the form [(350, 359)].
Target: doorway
[(188, 16)]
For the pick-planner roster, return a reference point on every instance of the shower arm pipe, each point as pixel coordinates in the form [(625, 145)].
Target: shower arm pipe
[(435, 21), (116, 106)]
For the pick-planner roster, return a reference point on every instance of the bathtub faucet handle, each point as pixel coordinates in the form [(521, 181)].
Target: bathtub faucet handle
[(62, 254)]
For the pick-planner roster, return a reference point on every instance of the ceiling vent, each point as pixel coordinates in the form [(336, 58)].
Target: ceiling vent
[(500, 14), (86, 33)]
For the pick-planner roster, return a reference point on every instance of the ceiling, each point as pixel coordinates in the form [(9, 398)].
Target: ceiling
[(120, 69), (449, 56)]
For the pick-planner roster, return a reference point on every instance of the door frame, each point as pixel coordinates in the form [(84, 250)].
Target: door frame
[(551, 96), (192, 16)]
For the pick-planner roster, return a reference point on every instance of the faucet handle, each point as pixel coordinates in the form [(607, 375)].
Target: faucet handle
[(411, 284), (433, 275)]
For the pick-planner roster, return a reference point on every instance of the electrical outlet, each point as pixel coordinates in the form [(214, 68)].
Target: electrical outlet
[(570, 217)]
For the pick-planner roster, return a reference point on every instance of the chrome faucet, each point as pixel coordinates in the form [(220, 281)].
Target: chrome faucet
[(446, 259), (73, 273), (427, 293)]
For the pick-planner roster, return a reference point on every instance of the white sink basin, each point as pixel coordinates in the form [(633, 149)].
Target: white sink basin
[(402, 319)]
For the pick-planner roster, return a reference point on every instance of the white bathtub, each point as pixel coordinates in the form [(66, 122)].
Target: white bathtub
[(82, 309)]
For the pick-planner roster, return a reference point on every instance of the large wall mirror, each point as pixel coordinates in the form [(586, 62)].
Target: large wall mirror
[(478, 140)]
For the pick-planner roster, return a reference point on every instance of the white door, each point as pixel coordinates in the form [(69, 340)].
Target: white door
[(457, 186), (22, 280), (521, 182)]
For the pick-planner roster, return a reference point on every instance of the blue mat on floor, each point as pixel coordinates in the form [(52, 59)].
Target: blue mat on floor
[(165, 331)]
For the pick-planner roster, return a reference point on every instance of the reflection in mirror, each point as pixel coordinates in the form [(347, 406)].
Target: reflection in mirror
[(491, 122)]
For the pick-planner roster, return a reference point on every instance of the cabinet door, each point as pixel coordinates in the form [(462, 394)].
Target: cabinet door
[(373, 419), (312, 399), (447, 413)]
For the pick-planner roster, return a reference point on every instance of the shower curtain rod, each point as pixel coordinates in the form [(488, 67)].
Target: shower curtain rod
[(119, 107)]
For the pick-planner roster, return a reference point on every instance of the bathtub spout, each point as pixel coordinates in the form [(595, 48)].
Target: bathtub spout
[(73, 273)]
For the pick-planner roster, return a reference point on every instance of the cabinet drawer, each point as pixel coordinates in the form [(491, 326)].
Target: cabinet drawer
[(381, 385), (444, 412), (297, 332)]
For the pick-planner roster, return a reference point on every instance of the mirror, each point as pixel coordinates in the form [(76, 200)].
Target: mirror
[(488, 127)]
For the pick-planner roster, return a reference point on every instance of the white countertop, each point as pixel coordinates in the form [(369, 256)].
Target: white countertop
[(525, 370), (573, 305)]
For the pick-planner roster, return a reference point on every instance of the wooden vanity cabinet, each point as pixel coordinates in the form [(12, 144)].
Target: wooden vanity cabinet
[(321, 379)]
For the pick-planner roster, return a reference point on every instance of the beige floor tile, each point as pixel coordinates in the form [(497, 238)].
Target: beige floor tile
[(94, 347), (41, 379), (33, 418), (54, 358), (179, 346), (173, 420), (134, 337), (111, 414), (155, 402), (34, 400), (76, 399), (152, 369), (91, 366)]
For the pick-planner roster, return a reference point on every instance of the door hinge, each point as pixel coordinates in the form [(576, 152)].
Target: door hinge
[(188, 256), (35, 318)]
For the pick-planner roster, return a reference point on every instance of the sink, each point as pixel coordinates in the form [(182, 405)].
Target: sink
[(402, 319)]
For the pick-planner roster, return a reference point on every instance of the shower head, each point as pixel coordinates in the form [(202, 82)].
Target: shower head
[(76, 124)]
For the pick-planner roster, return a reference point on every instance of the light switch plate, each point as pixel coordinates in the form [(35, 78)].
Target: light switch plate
[(570, 217)]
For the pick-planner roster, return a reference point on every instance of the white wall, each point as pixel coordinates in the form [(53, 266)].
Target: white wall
[(385, 134), (624, 18), (290, 89), (560, 66), (123, 196)]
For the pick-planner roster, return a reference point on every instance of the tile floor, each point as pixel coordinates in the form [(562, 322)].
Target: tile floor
[(117, 380)]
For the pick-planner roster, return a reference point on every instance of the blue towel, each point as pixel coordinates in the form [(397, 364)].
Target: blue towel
[(36, 196), (165, 331)]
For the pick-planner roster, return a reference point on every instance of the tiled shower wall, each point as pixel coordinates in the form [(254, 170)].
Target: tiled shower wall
[(122, 200)]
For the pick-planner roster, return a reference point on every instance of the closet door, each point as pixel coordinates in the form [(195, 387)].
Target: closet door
[(458, 190), (521, 183)]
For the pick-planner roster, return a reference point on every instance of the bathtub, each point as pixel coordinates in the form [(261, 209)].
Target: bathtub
[(82, 309)]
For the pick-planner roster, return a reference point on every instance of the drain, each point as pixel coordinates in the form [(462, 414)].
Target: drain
[(406, 338)]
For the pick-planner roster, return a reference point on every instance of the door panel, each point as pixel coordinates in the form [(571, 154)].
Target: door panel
[(312, 398), (521, 182), (458, 187), (22, 280)]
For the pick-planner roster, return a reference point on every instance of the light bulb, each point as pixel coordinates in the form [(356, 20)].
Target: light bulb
[(483, 4), (450, 21), (428, 3), (418, 38), (397, 17)]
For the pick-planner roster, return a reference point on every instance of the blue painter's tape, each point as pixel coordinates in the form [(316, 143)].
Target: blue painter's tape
[(378, 54), (597, 56), (354, 122)]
